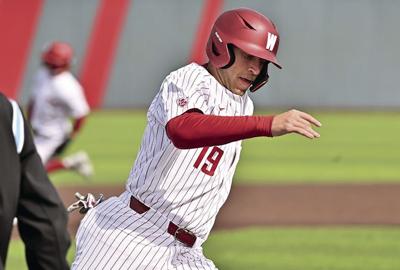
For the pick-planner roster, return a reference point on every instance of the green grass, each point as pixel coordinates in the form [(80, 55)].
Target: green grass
[(306, 249), (354, 147), (292, 248), (112, 140)]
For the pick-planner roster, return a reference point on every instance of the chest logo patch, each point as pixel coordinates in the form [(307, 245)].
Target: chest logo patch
[(182, 102)]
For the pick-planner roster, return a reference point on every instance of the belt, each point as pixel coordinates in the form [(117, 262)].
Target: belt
[(181, 234)]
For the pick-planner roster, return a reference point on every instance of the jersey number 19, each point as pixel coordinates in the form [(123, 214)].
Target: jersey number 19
[(212, 160)]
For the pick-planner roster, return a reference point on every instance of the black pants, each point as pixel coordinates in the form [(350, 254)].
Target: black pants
[(27, 193)]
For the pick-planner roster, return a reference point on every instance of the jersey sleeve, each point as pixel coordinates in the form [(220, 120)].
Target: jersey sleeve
[(73, 97), (175, 99), (79, 107)]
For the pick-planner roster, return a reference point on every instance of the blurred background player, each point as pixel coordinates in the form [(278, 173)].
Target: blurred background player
[(27, 193), (57, 109)]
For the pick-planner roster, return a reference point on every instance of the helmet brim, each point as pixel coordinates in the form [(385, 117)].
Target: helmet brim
[(261, 53)]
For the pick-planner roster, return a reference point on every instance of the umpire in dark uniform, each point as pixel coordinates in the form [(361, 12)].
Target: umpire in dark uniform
[(26, 193)]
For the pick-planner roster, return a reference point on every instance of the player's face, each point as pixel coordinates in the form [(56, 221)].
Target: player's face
[(240, 76)]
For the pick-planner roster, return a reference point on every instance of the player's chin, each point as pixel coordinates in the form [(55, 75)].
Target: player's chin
[(239, 91), (242, 86)]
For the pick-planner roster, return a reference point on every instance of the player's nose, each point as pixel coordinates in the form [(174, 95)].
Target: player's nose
[(255, 66)]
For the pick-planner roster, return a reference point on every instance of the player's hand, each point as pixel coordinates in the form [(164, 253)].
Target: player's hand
[(295, 121)]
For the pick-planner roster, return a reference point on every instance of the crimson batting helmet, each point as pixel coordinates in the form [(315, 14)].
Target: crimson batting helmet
[(58, 55), (251, 32)]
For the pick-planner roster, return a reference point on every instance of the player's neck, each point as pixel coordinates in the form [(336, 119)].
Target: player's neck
[(55, 72), (214, 72)]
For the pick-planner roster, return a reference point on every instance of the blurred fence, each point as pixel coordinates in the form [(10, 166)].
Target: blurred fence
[(341, 53)]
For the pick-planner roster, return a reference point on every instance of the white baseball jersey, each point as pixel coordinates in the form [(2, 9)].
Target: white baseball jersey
[(187, 187), (56, 99)]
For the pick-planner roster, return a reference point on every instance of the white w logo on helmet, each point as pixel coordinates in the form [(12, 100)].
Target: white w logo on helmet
[(271, 41)]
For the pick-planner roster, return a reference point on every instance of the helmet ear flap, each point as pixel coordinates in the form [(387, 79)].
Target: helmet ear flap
[(261, 79), (231, 56)]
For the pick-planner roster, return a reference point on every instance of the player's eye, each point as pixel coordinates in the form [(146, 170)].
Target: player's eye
[(248, 56)]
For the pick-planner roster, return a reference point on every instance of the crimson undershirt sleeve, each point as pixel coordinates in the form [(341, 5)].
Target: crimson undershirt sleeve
[(193, 129)]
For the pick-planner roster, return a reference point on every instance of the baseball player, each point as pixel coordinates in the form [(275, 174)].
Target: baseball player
[(27, 193), (57, 98), (191, 146)]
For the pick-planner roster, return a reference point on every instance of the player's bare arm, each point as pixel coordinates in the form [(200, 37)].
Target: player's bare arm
[(77, 125)]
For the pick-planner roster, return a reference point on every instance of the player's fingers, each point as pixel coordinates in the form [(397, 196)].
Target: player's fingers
[(307, 125), (310, 119), (303, 122), (304, 133), (316, 134), (306, 129)]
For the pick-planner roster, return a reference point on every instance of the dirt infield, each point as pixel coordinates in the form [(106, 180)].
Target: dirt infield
[(289, 205)]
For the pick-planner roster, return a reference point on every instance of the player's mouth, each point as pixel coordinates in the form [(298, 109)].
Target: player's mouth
[(245, 82)]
